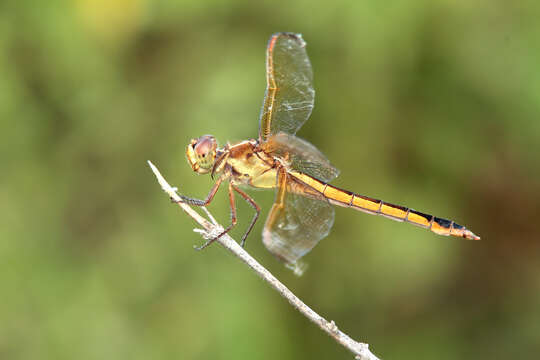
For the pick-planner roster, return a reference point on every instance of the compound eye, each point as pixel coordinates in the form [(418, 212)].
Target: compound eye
[(205, 145)]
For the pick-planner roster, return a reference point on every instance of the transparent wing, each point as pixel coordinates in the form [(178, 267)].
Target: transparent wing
[(301, 155), (299, 219), (289, 95)]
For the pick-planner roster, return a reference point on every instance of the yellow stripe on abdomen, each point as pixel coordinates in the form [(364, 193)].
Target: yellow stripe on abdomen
[(372, 206), (341, 196), (310, 181), (365, 204)]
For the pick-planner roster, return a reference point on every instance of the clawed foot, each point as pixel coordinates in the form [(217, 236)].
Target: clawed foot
[(208, 242)]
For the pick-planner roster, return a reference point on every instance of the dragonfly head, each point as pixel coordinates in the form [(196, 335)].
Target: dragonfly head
[(201, 154)]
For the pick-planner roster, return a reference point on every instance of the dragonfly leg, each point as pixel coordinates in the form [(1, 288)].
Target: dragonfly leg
[(257, 209), (199, 202), (233, 220)]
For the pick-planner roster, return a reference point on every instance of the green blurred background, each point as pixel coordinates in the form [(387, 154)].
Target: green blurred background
[(429, 104)]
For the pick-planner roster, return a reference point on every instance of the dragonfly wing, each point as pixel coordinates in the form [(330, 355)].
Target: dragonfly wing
[(289, 95), (299, 219), (301, 156)]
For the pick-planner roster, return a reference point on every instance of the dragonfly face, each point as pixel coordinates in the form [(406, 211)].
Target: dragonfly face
[(201, 154), (302, 213)]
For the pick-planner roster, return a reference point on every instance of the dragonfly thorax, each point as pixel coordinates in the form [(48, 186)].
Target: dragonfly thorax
[(201, 154)]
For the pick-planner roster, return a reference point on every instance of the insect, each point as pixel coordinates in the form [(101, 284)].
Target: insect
[(302, 213)]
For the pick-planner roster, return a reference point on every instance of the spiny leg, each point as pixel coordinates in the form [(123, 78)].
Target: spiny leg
[(209, 197), (257, 209), (281, 181), (233, 220), (275, 212)]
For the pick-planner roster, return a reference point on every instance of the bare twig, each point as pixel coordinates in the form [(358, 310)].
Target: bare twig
[(210, 229)]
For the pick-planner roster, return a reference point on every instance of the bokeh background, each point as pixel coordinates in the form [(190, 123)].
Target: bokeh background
[(430, 104)]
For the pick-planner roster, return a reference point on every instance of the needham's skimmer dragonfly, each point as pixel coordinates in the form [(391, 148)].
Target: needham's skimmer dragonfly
[(302, 213)]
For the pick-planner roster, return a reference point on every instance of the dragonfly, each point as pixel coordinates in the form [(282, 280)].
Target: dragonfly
[(303, 212)]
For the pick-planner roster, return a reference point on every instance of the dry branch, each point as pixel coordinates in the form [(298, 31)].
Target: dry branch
[(211, 228)]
